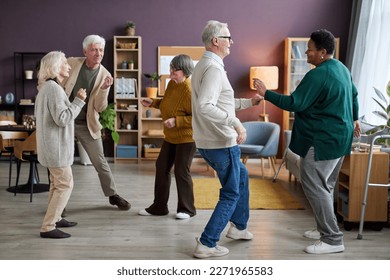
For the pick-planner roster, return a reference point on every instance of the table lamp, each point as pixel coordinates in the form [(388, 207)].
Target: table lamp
[(270, 77)]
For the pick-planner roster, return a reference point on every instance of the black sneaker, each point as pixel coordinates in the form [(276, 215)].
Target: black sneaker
[(64, 223), (120, 202), (55, 233)]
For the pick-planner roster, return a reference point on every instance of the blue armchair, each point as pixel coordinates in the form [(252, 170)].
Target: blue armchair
[(262, 142)]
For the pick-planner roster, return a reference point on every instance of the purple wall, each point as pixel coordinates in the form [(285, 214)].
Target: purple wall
[(258, 28)]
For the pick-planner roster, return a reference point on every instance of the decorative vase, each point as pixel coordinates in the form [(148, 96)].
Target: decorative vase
[(151, 92), (130, 31), (131, 66), (124, 64), (28, 74), (148, 113)]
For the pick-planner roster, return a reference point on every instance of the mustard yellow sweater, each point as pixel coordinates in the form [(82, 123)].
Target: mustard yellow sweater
[(177, 103)]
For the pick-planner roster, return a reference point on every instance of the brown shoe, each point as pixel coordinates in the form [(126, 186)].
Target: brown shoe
[(120, 202)]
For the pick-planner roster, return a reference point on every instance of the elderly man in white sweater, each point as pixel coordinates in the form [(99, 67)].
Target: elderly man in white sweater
[(217, 133)]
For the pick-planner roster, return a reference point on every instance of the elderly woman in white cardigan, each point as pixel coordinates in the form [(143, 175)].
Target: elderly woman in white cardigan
[(55, 138)]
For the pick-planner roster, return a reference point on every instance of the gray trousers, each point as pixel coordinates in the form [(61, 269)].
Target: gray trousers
[(318, 180), (94, 149)]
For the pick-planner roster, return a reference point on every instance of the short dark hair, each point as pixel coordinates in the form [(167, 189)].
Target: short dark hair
[(184, 63), (324, 39)]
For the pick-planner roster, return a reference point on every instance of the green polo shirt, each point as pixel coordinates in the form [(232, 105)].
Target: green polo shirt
[(325, 105)]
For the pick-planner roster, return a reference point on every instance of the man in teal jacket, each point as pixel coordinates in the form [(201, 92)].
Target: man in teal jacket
[(326, 113)]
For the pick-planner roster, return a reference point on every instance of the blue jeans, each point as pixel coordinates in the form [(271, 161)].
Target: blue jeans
[(233, 204)]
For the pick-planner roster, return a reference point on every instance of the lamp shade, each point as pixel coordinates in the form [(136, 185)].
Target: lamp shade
[(268, 74)]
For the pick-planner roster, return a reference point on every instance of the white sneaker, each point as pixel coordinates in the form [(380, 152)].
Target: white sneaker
[(312, 234), (202, 251), (323, 248), (182, 216), (143, 212), (235, 233)]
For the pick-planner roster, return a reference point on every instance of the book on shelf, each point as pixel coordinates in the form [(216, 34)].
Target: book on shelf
[(296, 51), (293, 54), (126, 87)]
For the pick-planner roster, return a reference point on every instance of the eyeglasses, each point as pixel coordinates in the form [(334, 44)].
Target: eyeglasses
[(226, 37)]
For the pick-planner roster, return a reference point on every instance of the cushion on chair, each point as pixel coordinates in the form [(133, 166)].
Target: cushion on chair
[(262, 139), (251, 149)]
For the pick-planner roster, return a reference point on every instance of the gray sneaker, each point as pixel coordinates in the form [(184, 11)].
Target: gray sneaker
[(235, 233), (202, 251)]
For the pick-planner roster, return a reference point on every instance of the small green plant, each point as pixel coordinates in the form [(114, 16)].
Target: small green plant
[(130, 24), (385, 105), (107, 120), (153, 77), (384, 102)]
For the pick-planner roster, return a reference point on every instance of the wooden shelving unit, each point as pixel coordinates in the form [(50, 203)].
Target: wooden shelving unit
[(127, 94)]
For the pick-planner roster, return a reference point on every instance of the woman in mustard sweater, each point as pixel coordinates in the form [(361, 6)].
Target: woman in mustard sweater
[(178, 147)]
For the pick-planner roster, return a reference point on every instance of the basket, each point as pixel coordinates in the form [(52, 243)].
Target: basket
[(126, 45), (152, 152)]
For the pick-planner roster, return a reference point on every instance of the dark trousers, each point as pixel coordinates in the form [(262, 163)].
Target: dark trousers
[(181, 156)]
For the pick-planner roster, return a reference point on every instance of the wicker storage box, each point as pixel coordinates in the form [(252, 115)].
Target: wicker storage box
[(126, 45), (152, 152)]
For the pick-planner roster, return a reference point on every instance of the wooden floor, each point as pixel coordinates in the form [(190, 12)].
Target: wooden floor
[(104, 233)]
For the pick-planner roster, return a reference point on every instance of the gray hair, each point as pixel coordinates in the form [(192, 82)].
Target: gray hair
[(93, 39), (212, 30), (50, 66), (184, 63)]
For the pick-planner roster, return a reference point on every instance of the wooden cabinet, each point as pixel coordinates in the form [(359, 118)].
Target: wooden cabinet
[(351, 187), (127, 94), (295, 68)]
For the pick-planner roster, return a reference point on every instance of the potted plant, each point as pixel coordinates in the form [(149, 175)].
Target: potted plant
[(130, 28), (151, 91), (107, 120), (131, 64), (384, 102)]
